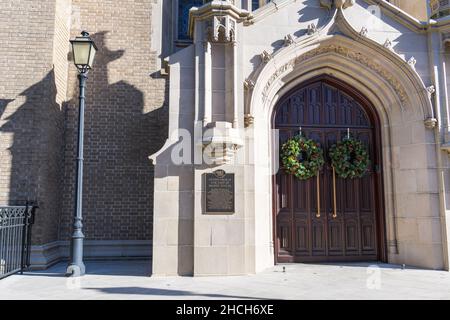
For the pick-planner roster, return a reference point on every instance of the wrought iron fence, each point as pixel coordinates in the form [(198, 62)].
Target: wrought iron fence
[(15, 238)]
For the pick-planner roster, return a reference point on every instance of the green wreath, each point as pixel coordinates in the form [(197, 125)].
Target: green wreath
[(301, 157), (350, 158)]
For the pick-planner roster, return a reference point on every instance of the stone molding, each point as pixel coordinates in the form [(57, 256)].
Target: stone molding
[(389, 9), (338, 37), (46, 255), (214, 9)]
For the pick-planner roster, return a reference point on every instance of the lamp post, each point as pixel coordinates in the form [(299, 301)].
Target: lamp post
[(84, 50)]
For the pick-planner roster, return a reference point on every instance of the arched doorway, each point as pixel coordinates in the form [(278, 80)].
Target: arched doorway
[(326, 109)]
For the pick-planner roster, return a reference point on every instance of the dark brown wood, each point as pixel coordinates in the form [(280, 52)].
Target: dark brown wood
[(324, 108)]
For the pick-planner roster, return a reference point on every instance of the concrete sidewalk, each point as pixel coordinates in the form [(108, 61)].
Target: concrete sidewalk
[(130, 280)]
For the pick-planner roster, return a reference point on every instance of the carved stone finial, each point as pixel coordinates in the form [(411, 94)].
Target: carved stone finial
[(412, 62), (288, 40), (388, 44), (265, 56), (363, 32), (312, 28), (430, 91)]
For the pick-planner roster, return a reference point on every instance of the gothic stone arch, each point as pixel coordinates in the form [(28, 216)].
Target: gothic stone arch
[(402, 104)]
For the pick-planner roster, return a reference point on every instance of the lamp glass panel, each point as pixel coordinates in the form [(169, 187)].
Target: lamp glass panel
[(81, 52), (91, 56)]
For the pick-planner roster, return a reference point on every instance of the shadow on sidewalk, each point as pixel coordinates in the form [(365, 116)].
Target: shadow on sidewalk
[(166, 292)]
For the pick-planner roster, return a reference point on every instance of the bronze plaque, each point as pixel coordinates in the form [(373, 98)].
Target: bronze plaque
[(219, 192)]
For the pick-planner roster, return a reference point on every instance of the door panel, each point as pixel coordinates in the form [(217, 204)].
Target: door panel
[(325, 113)]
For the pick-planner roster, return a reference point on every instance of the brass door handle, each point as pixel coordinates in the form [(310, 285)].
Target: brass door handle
[(318, 194), (334, 194)]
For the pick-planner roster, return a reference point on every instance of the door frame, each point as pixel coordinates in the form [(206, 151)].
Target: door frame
[(380, 215)]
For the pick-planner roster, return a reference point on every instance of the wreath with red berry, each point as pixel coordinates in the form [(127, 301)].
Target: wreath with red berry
[(301, 157), (350, 158)]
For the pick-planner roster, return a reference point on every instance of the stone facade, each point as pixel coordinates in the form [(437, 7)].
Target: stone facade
[(384, 54), (149, 86)]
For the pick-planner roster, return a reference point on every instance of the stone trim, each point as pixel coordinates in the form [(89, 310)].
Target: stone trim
[(215, 8), (400, 16), (344, 52), (266, 10), (46, 255), (339, 37), (391, 10)]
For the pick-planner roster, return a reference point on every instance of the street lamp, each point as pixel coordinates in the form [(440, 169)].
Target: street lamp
[(84, 50)]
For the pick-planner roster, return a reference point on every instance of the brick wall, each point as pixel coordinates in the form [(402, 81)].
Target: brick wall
[(125, 118), (124, 123), (31, 127)]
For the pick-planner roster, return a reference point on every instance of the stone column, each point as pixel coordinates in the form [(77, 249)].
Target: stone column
[(207, 108), (235, 85)]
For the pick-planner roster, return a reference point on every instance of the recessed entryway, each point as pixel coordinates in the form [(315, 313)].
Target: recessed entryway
[(347, 223)]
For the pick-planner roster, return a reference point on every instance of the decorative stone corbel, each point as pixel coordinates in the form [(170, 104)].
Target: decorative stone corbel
[(430, 123), (312, 28), (363, 32), (265, 56), (221, 142), (412, 62), (248, 120), (288, 40), (430, 91), (446, 147), (249, 84)]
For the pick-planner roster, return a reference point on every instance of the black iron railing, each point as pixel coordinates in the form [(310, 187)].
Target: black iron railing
[(15, 238)]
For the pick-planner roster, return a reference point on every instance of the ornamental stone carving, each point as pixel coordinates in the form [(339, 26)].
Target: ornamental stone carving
[(221, 142), (288, 40), (388, 44), (248, 120), (431, 90), (249, 84), (340, 4), (312, 28), (363, 32), (412, 62), (344, 52), (430, 123), (265, 56), (221, 29)]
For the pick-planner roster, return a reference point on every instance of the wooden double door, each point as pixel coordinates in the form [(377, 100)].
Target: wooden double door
[(326, 111)]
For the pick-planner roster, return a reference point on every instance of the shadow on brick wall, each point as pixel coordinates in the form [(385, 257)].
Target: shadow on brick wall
[(119, 137), (35, 154)]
